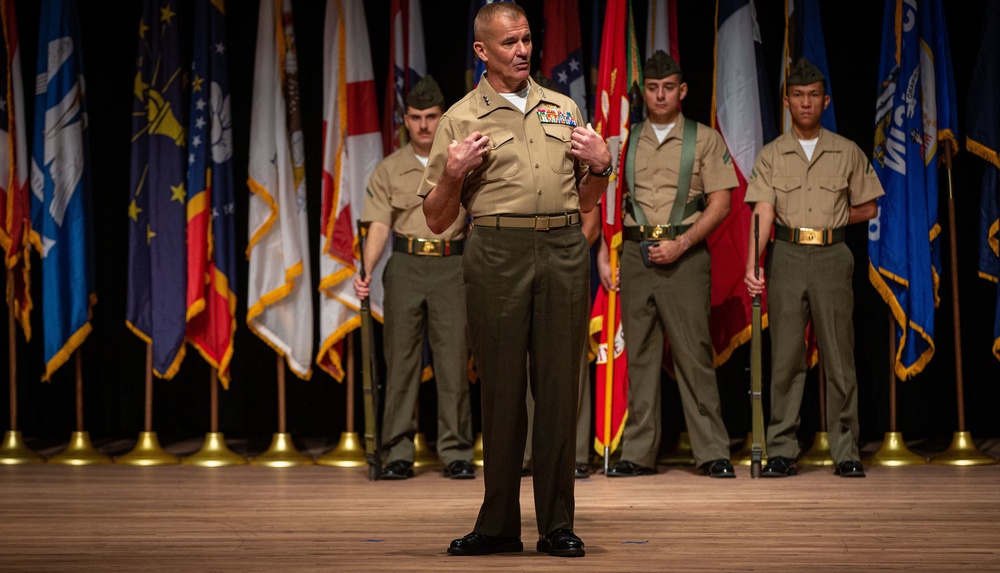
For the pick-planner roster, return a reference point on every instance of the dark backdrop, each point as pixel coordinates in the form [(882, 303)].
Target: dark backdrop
[(114, 359)]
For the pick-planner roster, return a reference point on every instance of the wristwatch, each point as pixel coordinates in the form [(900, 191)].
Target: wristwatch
[(604, 174)]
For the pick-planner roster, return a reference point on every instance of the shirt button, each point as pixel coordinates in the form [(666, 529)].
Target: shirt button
[(531, 141), (539, 191), (536, 166)]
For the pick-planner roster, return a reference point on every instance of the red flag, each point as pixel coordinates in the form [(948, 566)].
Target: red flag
[(562, 52), (407, 64)]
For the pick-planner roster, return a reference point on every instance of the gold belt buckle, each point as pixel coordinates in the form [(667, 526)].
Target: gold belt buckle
[(428, 247), (811, 236), (654, 233), (542, 222)]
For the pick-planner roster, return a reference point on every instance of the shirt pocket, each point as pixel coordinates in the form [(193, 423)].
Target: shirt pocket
[(558, 138), (503, 159), (786, 192), (404, 201), (835, 199)]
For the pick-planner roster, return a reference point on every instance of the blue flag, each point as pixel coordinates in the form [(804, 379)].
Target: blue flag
[(915, 113), (804, 39), (155, 308), (983, 139), (60, 185)]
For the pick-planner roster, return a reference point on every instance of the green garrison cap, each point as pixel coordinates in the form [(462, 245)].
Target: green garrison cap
[(425, 94), (660, 66), (544, 80), (804, 73)]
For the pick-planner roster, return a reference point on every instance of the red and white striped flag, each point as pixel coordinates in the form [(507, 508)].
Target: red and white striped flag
[(352, 146), (661, 29), (407, 65)]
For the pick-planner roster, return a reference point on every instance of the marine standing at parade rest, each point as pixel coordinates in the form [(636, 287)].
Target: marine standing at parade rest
[(679, 176), (811, 183), (424, 291), (516, 157)]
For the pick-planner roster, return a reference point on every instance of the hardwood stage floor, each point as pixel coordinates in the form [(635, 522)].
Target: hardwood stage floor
[(181, 518)]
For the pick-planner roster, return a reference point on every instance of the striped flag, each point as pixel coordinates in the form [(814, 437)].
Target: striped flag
[(804, 39), (279, 284), (915, 114), (407, 65), (15, 210), (474, 67), (562, 52), (661, 28), (741, 111), (983, 139), (60, 185), (352, 146), (597, 8), (211, 213)]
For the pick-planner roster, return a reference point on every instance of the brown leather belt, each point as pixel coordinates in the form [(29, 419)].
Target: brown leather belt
[(805, 236), (654, 232), (533, 222), (427, 247)]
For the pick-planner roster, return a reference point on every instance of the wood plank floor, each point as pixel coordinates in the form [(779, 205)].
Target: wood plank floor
[(181, 518)]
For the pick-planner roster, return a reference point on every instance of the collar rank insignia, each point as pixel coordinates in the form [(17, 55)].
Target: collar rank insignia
[(556, 116), (486, 98)]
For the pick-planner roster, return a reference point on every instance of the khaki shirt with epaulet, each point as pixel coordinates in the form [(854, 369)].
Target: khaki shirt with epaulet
[(391, 198), (529, 170), (657, 169), (815, 194)]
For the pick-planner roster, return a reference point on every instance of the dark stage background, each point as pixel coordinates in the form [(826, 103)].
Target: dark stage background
[(114, 359)]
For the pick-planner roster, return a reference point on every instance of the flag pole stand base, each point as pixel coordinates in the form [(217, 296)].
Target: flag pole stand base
[(422, 455), (349, 453), (214, 453), (962, 452), (14, 452), (282, 454), (819, 453), (680, 455), (743, 457), (80, 452), (893, 452), (477, 451), (147, 452)]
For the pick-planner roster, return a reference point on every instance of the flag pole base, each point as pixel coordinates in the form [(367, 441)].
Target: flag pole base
[(282, 454), (80, 452), (962, 452), (349, 453), (680, 455), (477, 451), (893, 452), (819, 453), (422, 455), (147, 452), (14, 452), (214, 453)]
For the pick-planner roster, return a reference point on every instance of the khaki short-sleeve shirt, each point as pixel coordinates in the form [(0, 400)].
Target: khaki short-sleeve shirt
[(529, 170), (390, 198), (657, 170), (815, 194)]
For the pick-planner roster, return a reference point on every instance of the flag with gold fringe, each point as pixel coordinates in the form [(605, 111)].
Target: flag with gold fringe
[(407, 64)]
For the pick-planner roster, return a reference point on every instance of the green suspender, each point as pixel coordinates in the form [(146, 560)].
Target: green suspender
[(682, 209)]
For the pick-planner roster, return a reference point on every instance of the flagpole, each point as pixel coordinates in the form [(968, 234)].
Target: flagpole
[(893, 451), (147, 450), (214, 452), (963, 451), (819, 452), (609, 361), (349, 452), (282, 452), (80, 451), (13, 450)]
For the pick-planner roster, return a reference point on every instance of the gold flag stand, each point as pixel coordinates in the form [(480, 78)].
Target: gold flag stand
[(13, 450), (819, 453), (80, 452), (893, 451), (214, 452), (350, 452), (477, 451), (282, 453), (147, 450), (423, 456), (680, 454)]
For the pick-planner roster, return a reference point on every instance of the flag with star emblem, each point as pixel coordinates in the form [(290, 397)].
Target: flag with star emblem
[(562, 53), (211, 213), (407, 64), (279, 283), (155, 308), (351, 149), (60, 185), (15, 224)]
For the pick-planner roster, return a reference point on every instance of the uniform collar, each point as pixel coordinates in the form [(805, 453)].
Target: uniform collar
[(790, 144), (488, 100), (676, 133), (410, 161)]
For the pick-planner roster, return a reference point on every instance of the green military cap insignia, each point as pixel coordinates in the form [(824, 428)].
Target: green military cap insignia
[(544, 80), (425, 94), (660, 66), (804, 73)]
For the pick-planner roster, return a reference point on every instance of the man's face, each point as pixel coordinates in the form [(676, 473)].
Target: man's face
[(422, 123), (806, 104), (506, 51), (663, 98)]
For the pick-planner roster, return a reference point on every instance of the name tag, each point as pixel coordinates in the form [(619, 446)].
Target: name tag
[(556, 116)]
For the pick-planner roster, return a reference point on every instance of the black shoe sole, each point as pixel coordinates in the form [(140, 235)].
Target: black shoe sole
[(575, 552), (460, 476), (501, 548)]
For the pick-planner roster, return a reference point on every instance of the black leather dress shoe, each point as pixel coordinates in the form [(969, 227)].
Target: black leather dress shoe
[(561, 543), (478, 544), (779, 467), (398, 469), (582, 471), (460, 469), (851, 469), (629, 469), (720, 468)]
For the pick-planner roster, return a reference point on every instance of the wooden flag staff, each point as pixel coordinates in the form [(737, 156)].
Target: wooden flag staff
[(147, 450), (80, 452), (282, 452), (893, 451), (13, 451), (214, 452), (349, 453)]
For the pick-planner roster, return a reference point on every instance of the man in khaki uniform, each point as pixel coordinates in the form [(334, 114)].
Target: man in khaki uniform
[(668, 287), (515, 156), (810, 183), (423, 290)]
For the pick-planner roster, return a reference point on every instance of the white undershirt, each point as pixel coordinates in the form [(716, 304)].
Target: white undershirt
[(421, 159), (519, 99), (809, 145), (662, 130)]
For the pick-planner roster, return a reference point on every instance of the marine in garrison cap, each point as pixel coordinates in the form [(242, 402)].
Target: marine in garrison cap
[(804, 73), (425, 94), (660, 65)]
